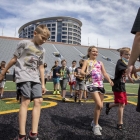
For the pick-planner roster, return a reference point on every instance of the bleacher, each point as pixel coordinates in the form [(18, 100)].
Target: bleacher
[(67, 52)]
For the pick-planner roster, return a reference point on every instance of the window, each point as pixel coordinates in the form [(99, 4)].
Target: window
[(70, 29), (53, 29), (52, 37), (74, 26), (64, 41), (64, 24), (69, 41), (64, 28), (64, 32), (53, 33), (74, 30), (74, 38), (70, 25), (48, 25), (69, 33), (74, 34), (69, 37), (53, 25), (64, 36)]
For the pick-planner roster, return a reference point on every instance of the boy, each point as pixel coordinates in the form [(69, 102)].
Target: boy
[(72, 83), (80, 85), (55, 69), (29, 60), (2, 83), (120, 98), (64, 74)]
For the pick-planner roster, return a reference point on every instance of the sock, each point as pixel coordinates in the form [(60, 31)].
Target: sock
[(33, 134), (71, 94), (21, 136)]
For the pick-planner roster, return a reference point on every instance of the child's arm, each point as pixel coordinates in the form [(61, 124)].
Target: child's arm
[(106, 75), (134, 55), (41, 69), (84, 68), (9, 65)]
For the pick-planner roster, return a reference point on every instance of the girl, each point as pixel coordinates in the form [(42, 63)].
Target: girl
[(94, 71)]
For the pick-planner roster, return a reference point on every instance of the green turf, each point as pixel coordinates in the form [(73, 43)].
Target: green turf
[(130, 88)]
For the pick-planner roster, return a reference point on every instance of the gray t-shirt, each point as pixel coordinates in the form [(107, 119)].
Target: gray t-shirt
[(30, 57)]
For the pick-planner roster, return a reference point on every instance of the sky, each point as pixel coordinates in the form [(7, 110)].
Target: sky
[(103, 21)]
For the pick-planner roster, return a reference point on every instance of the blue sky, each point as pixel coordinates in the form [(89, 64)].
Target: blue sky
[(102, 19)]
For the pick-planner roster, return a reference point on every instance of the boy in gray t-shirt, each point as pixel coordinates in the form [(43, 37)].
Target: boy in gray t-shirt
[(29, 64)]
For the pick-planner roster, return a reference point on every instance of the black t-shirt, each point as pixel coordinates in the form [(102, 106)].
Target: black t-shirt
[(78, 70), (65, 72), (55, 69), (120, 78)]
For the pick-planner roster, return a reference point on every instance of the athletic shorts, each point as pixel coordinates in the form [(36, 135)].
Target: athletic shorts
[(72, 83), (30, 90), (91, 89), (2, 84), (120, 97), (136, 25), (56, 80), (63, 84), (80, 85)]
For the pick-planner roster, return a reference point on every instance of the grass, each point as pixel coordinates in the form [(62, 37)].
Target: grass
[(130, 88)]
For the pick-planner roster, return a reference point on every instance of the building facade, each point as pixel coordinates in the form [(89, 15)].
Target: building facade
[(63, 29)]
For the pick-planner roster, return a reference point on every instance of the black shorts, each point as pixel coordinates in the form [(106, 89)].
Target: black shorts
[(96, 89), (136, 25)]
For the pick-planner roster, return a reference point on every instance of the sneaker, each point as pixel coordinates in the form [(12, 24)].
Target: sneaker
[(57, 92), (107, 109), (93, 125), (17, 138), (1, 96), (80, 102), (35, 137), (120, 127), (96, 130), (54, 92), (63, 99), (71, 96)]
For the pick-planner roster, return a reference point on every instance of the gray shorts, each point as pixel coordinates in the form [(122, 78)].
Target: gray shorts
[(30, 90), (63, 84), (80, 85)]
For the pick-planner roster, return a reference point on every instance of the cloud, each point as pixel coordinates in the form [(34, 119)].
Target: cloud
[(102, 19)]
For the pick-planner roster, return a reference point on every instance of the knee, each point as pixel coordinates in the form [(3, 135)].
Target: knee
[(25, 102), (38, 101), (99, 106), (121, 105)]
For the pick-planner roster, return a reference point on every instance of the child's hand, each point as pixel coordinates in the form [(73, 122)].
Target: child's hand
[(43, 90), (111, 83)]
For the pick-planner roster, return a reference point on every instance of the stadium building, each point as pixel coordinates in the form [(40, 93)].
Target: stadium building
[(63, 29)]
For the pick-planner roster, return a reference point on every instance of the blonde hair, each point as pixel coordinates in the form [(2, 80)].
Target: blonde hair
[(124, 49), (89, 50), (42, 29)]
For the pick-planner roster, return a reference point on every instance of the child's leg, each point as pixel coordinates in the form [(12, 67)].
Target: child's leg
[(81, 95), (64, 87), (113, 105), (23, 115), (120, 113), (36, 114), (98, 106)]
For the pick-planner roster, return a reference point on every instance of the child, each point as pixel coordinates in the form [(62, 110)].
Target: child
[(94, 70), (72, 83), (2, 83), (29, 60), (120, 98), (135, 53), (64, 74), (56, 81), (80, 85)]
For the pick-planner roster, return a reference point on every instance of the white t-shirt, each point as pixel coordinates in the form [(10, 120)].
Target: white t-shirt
[(71, 69)]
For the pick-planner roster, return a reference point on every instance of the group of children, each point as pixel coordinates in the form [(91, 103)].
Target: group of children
[(29, 71)]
